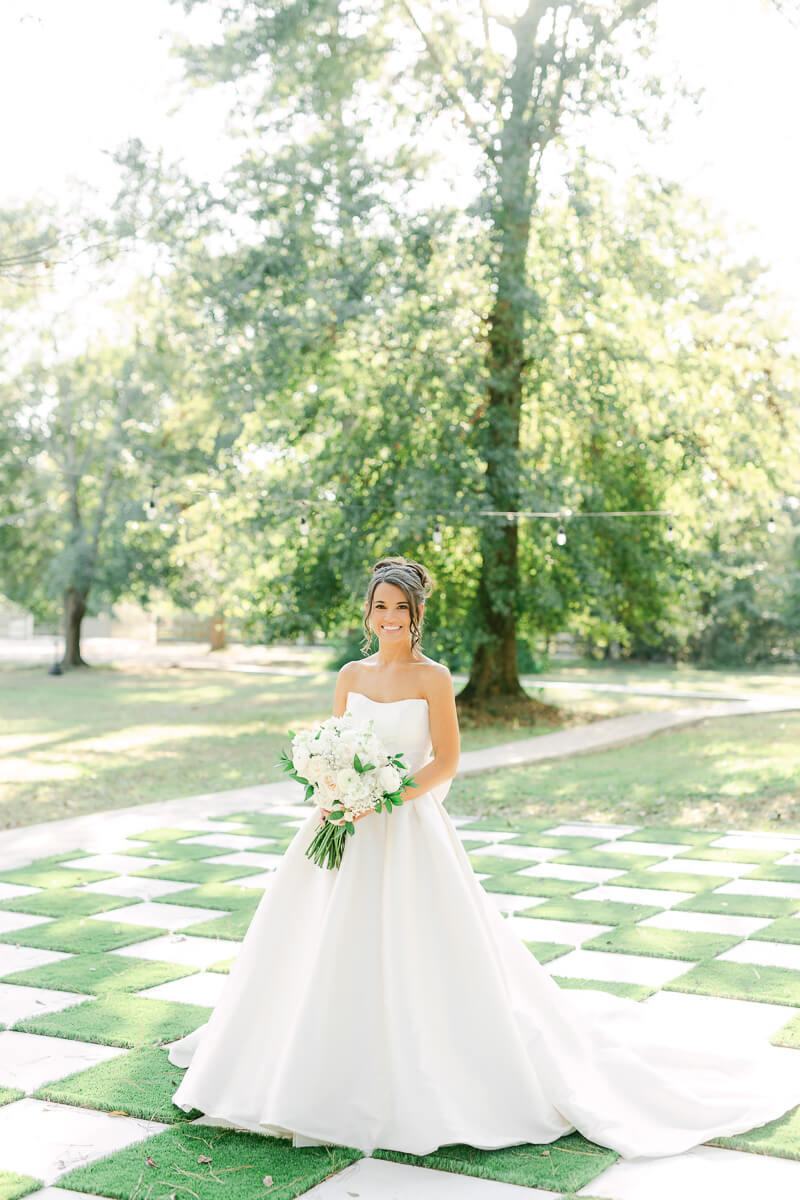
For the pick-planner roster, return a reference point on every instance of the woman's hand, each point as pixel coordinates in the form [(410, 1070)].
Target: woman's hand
[(326, 811)]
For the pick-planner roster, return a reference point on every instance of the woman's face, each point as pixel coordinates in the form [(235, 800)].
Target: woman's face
[(390, 615)]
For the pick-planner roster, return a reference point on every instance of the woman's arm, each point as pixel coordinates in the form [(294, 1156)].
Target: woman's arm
[(445, 737)]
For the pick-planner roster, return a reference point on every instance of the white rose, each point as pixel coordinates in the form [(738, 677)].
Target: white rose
[(347, 779), (314, 770), (301, 758), (389, 779)]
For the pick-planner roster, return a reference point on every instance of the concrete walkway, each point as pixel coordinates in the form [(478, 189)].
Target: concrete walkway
[(22, 845)]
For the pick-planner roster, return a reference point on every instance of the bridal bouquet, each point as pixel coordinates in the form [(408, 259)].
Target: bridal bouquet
[(345, 767)]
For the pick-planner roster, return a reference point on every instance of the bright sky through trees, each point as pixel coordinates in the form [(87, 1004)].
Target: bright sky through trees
[(82, 77)]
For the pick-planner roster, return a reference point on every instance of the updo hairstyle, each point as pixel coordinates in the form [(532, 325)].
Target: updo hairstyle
[(414, 580)]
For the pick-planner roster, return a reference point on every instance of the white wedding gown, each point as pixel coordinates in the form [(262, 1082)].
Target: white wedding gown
[(388, 1004)]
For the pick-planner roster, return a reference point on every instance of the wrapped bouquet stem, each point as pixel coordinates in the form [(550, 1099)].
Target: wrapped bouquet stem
[(345, 767)]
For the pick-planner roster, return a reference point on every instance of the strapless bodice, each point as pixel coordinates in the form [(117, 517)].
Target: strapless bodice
[(402, 725)]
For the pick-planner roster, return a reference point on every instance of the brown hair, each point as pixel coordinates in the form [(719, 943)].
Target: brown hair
[(413, 579)]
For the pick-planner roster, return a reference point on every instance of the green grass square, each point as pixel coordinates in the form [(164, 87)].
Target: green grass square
[(9, 1095), (735, 905), (599, 912), (611, 859), (233, 926), (223, 967), (778, 874), (239, 1163), (785, 929), (79, 935), (42, 874), (165, 833), (555, 841), (545, 952), (532, 885), (173, 851), (629, 991), (728, 854), (120, 1019), (670, 881), (95, 974), (779, 1138), (740, 981), (493, 864), (662, 943), (138, 1084), (670, 835), (66, 902), (194, 871), (568, 1163), (788, 1034), (13, 1186), (216, 895)]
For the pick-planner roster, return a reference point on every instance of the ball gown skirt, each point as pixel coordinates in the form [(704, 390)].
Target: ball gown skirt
[(388, 1004)]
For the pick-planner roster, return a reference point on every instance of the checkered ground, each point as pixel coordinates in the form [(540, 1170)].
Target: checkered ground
[(105, 958)]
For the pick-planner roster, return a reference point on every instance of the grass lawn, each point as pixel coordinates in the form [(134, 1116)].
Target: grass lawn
[(113, 737), (727, 772)]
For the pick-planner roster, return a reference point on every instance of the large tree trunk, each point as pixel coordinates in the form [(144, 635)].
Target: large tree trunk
[(74, 612), (494, 671)]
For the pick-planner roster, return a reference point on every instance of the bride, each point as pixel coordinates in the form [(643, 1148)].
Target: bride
[(388, 1004)]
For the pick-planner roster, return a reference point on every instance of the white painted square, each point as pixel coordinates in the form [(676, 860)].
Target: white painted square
[(532, 854), (57, 1193), (18, 1001), (11, 921), (700, 1173), (572, 871), (589, 829), (700, 922), (9, 891), (489, 835), (20, 958), (623, 968), (788, 860), (203, 988), (228, 841), (248, 858), (160, 916), (765, 954), (27, 1060), (380, 1179), (758, 841), (182, 949), (631, 895), (138, 886), (45, 1140), (119, 864), (736, 1019), (761, 887), (540, 929), (662, 849), (262, 880), (703, 866)]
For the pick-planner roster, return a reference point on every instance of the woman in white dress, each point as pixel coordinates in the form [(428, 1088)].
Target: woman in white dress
[(388, 1004)]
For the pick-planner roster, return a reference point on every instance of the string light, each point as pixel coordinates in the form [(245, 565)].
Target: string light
[(561, 536), (670, 532), (151, 508), (771, 525), (437, 535), (304, 527)]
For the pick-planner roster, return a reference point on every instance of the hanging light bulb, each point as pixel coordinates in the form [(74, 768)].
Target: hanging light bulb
[(771, 527), (151, 508), (304, 528), (670, 532), (561, 536), (437, 535)]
